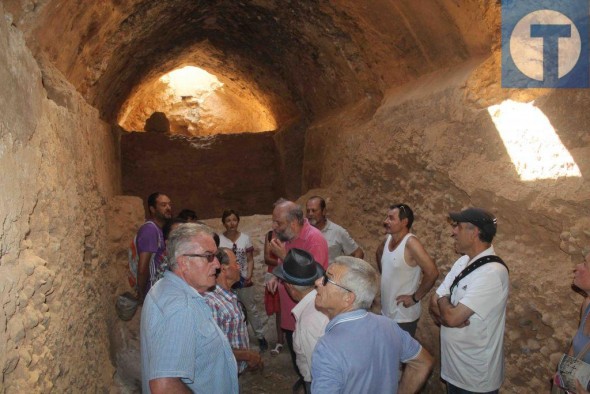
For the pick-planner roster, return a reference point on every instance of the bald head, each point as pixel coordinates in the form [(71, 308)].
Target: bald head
[(287, 220)]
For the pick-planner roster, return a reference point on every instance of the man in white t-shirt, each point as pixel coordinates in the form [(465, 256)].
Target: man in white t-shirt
[(471, 308), (407, 270), (340, 243)]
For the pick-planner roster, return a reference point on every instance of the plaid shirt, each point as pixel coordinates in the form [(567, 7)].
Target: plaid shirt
[(230, 318)]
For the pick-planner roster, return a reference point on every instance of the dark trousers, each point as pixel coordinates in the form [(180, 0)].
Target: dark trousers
[(456, 390), (409, 327), (289, 338)]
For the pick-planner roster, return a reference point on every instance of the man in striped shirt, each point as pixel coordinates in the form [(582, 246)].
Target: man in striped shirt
[(228, 313)]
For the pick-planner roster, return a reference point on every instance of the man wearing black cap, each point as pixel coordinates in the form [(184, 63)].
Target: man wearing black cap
[(470, 306), (298, 272)]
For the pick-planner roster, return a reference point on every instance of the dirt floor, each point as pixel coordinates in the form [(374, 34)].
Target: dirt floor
[(277, 376)]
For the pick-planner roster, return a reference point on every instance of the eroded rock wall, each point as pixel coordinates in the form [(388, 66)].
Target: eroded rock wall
[(205, 174), (58, 166), (432, 144)]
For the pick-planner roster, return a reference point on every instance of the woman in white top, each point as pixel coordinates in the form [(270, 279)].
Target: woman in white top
[(241, 245)]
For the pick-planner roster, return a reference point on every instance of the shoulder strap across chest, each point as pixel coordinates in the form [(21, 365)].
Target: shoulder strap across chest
[(475, 265)]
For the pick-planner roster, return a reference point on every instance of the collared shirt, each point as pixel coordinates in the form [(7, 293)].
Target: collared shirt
[(361, 353), (230, 318), (180, 339), (340, 243), (472, 357), (309, 327), (311, 240)]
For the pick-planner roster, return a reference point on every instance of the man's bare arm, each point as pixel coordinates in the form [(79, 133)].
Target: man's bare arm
[(143, 273), (269, 258), (453, 316), (168, 385), (415, 373), (433, 309), (379, 254), (250, 266), (429, 272), (252, 357)]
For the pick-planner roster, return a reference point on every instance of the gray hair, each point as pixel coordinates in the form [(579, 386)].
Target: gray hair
[(361, 278), (294, 212), (181, 239), (222, 255)]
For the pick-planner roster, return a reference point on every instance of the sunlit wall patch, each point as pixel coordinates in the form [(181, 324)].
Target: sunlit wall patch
[(531, 142)]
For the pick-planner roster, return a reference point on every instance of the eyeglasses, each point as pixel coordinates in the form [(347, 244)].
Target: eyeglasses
[(326, 280), (209, 256)]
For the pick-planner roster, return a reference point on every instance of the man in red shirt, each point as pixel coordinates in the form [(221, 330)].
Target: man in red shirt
[(292, 230)]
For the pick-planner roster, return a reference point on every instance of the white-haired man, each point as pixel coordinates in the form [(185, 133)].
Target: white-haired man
[(361, 352), (182, 348)]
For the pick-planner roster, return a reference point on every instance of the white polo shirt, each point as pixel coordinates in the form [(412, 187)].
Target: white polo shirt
[(472, 357)]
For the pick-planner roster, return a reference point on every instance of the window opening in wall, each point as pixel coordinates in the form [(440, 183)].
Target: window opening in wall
[(191, 82), (193, 102), (531, 142)]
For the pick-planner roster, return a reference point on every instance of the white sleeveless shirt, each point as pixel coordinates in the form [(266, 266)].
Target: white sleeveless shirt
[(398, 278)]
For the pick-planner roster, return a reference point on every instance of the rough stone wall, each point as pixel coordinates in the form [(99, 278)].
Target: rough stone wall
[(124, 216), (432, 144), (59, 166), (206, 175)]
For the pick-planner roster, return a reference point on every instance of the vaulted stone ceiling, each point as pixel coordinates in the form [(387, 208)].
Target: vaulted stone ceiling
[(298, 58)]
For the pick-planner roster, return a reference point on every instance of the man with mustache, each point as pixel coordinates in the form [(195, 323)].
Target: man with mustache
[(292, 230), (408, 272)]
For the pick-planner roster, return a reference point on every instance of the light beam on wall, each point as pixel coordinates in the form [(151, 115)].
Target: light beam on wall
[(531, 142)]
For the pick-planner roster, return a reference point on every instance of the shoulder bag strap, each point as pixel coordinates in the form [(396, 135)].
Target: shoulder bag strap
[(475, 265)]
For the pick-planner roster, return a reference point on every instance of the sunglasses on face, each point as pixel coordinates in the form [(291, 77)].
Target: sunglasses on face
[(325, 281)]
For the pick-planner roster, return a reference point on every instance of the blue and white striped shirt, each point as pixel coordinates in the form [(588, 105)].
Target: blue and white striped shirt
[(179, 338)]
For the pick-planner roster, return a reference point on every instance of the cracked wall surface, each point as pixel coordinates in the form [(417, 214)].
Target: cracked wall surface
[(59, 166)]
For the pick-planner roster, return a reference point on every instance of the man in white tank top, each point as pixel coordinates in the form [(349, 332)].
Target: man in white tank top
[(407, 271)]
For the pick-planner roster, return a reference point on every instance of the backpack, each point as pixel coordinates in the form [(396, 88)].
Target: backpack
[(133, 261)]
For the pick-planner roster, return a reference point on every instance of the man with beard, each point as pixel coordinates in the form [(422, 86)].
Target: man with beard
[(293, 230), (340, 243), (150, 243)]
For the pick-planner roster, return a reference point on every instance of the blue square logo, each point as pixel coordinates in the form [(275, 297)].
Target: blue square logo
[(545, 44)]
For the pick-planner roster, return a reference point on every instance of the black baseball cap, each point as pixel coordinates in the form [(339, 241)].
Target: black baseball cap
[(479, 217)]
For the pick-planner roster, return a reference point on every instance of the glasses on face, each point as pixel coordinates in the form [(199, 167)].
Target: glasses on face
[(209, 256), (325, 281)]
